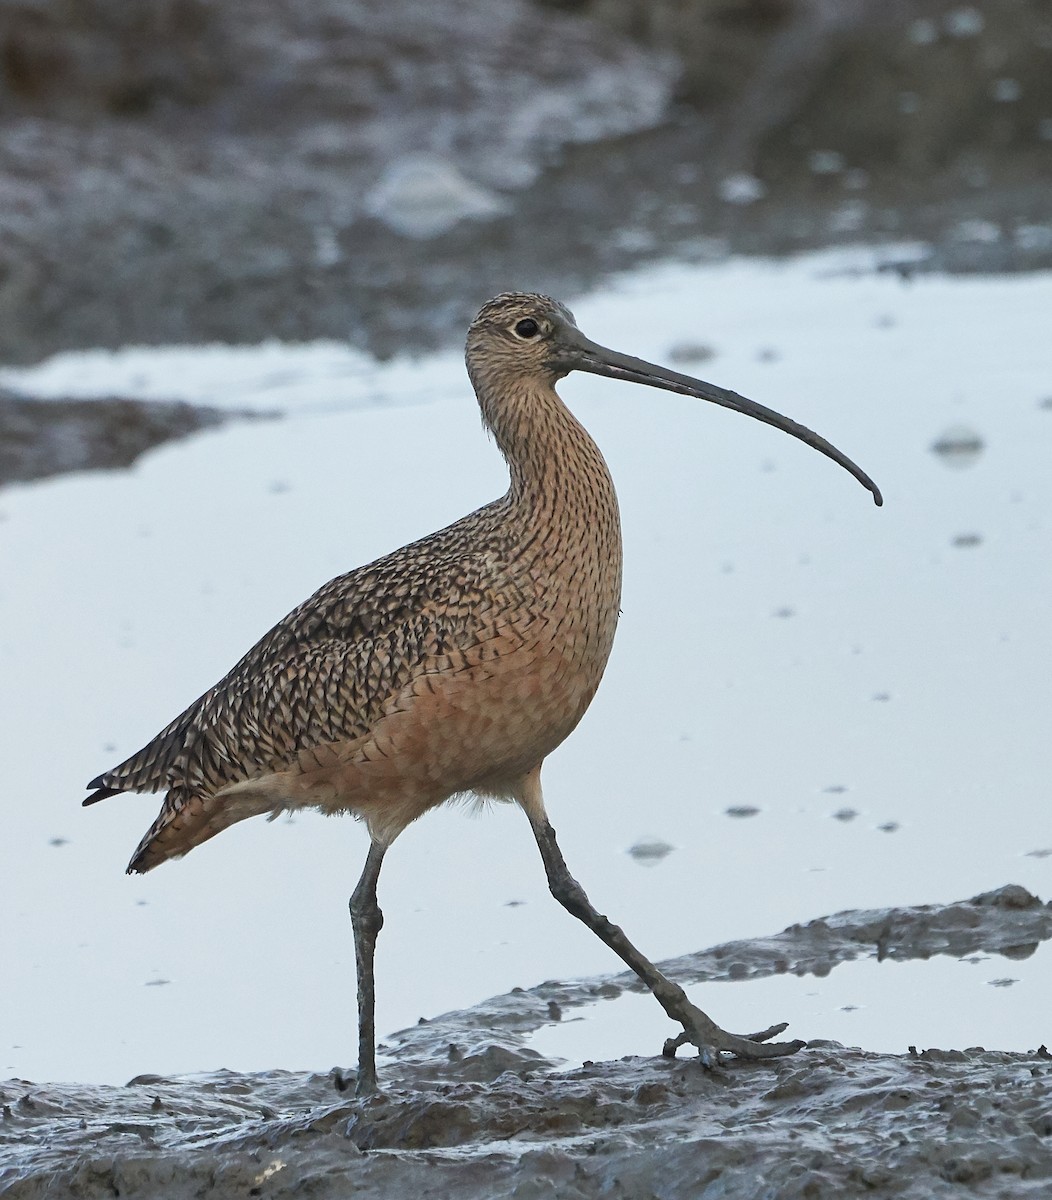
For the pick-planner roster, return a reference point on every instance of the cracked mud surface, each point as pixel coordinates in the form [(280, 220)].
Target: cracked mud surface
[(470, 1110)]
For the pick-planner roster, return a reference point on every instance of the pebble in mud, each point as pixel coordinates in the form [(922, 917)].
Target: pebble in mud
[(684, 353), (958, 446), (648, 851)]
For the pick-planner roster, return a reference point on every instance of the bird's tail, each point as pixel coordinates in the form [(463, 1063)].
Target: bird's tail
[(189, 818)]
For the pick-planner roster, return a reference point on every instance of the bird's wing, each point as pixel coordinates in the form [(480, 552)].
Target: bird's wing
[(324, 673)]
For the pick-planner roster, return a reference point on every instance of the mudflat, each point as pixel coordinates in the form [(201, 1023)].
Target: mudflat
[(469, 1109)]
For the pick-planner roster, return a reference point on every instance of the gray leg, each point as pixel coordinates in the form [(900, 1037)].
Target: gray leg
[(366, 921), (699, 1029)]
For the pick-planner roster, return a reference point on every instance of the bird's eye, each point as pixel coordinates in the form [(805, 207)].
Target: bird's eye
[(527, 328)]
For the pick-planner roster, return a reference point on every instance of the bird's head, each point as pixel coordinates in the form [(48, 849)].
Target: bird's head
[(520, 341), (520, 336)]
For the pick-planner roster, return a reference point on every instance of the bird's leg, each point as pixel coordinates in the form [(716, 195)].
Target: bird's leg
[(366, 921), (699, 1029)]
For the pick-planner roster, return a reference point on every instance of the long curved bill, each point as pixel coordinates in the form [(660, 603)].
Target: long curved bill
[(582, 354)]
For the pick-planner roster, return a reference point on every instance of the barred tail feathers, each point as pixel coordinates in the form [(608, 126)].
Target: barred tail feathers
[(189, 818)]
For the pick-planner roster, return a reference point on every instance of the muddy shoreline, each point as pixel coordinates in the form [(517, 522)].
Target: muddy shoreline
[(43, 438), (241, 171), (469, 1108)]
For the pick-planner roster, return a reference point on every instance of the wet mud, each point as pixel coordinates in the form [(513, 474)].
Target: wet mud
[(206, 172), (246, 171), (249, 170), (40, 438), (469, 1110)]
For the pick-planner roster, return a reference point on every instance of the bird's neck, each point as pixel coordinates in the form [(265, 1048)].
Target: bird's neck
[(556, 469), (560, 529)]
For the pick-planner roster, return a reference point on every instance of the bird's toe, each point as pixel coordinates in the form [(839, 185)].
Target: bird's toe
[(712, 1041)]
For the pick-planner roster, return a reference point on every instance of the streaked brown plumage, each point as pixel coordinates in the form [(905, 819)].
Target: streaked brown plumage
[(347, 704), (454, 665)]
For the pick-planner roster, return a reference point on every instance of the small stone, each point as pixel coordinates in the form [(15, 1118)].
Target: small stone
[(964, 22), (690, 352), (922, 32), (825, 162), (958, 446), (648, 851), (742, 189)]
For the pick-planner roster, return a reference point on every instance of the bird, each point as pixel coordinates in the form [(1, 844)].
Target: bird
[(449, 668)]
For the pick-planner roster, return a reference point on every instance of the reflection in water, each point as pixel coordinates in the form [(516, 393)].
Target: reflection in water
[(966, 1002)]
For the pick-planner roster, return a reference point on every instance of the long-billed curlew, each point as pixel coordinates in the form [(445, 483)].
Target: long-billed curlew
[(454, 665)]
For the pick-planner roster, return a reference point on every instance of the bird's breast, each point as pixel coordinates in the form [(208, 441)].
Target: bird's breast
[(481, 714)]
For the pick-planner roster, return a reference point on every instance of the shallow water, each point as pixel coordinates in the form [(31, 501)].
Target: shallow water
[(886, 1007), (785, 647)]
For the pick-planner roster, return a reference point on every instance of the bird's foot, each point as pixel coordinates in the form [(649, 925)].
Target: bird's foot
[(363, 1084), (712, 1041)]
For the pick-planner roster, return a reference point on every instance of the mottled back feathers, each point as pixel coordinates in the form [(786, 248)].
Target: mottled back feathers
[(489, 635)]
